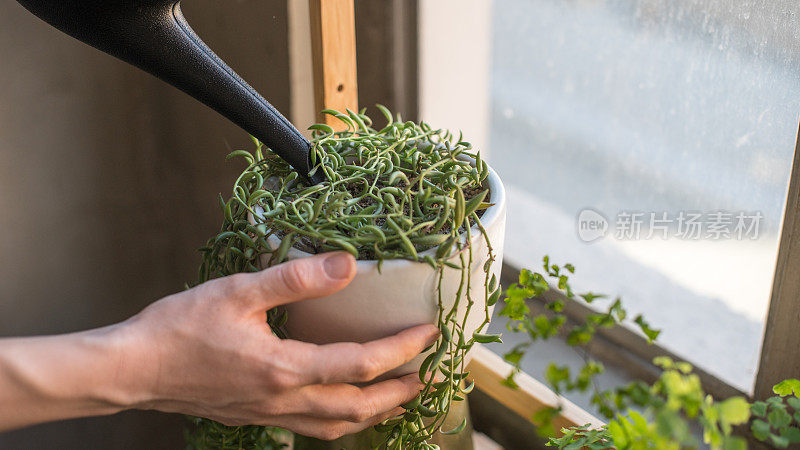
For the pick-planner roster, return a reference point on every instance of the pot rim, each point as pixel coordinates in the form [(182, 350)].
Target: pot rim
[(497, 195)]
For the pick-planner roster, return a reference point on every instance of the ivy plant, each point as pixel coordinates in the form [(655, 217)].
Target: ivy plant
[(640, 415), (777, 420)]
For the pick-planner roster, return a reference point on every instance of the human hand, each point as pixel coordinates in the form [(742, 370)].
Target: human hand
[(208, 352)]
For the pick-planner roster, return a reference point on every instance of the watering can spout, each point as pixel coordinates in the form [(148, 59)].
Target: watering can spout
[(154, 36)]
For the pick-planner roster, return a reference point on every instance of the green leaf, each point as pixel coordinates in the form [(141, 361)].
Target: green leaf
[(760, 429), (759, 409), (474, 203), (425, 411), (494, 297), (639, 422), (383, 428), (457, 429), (580, 335), (548, 327), (618, 434), (240, 153), (447, 335), (386, 113), (460, 209), (322, 127), (734, 410), (514, 356), (426, 364), (734, 443), (792, 434), (787, 387), (397, 175), (524, 276), (616, 311), (543, 419), (651, 333), (684, 367), (779, 418), (776, 402), (665, 362), (431, 262), (468, 388), (794, 402), (412, 404), (283, 249), (430, 239), (515, 307), (779, 441), (412, 252), (344, 245), (444, 249), (438, 356), (556, 376), (509, 381), (486, 338)]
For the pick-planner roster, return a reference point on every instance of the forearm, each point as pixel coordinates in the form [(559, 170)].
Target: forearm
[(59, 377), (207, 352)]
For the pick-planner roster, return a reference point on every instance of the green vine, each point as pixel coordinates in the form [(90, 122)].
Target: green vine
[(390, 193), (640, 415)]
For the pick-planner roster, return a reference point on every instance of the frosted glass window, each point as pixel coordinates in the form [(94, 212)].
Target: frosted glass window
[(642, 114)]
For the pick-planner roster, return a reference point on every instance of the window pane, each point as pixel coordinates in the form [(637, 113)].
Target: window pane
[(643, 114)]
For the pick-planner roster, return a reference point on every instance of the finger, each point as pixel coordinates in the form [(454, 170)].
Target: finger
[(299, 279), (355, 404), (349, 362), (328, 429)]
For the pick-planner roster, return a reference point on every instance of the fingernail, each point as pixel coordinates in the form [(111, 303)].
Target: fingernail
[(337, 265), (433, 337), (413, 378)]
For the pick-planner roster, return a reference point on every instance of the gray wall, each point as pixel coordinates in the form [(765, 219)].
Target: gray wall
[(108, 185)]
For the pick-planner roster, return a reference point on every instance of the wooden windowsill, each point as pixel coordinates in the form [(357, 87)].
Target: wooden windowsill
[(488, 370)]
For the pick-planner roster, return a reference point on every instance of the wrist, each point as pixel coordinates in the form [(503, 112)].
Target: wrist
[(127, 380)]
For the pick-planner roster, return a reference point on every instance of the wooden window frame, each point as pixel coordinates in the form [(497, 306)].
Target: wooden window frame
[(780, 348)]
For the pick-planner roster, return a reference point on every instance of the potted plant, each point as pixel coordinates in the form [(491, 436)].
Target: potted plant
[(425, 217)]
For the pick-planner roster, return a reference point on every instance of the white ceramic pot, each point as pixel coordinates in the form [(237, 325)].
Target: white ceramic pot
[(402, 295)]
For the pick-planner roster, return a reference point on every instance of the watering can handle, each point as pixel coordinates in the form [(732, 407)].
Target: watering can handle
[(154, 36)]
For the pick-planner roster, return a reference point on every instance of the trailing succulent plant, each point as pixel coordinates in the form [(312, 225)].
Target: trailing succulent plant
[(389, 193)]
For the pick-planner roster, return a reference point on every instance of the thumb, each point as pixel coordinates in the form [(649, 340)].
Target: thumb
[(305, 278)]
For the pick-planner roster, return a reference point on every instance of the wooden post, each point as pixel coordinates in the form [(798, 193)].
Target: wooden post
[(333, 51), (780, 351), (333, 41)]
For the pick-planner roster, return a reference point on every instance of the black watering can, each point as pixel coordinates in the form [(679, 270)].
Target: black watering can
[(154, 36)]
